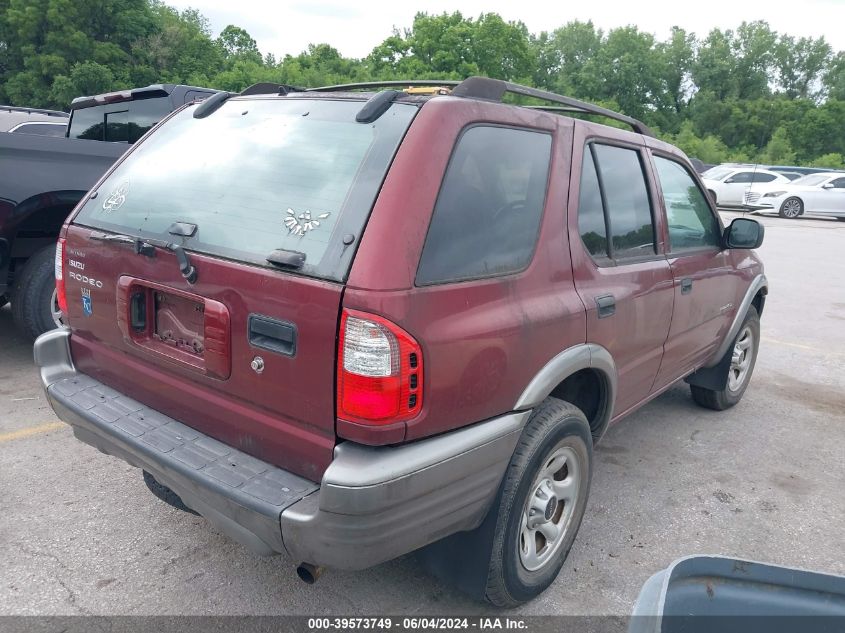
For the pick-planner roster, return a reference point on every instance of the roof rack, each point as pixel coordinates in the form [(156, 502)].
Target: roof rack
[(495, 89), (369, 85), (473, 88)]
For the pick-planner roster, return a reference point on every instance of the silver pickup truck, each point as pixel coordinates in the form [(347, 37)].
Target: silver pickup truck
[(43, 177)]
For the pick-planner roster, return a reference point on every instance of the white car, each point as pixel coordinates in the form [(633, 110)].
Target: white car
[(822, 194), (727, 184)]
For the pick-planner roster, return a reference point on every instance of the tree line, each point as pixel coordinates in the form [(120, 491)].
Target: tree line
[(744, 94)]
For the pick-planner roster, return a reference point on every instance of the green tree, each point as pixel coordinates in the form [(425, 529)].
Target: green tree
[(799, 64)]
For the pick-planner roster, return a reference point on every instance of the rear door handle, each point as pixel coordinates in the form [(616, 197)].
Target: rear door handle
[(686, 286), (606, 305), (272, 334)]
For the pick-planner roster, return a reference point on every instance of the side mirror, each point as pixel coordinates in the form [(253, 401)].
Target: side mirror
[(743, 233), (730, 181), (827, 185)]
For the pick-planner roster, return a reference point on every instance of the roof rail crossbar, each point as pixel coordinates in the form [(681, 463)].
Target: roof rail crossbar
[(369, 85), (495, 89)]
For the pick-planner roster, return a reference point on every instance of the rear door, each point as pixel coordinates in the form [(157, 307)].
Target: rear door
[(620, 273), (734, 187), (246, 352), (705, 282)]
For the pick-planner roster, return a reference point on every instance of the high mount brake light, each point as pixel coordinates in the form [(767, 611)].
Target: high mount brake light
[(379, 371), (61, 293)]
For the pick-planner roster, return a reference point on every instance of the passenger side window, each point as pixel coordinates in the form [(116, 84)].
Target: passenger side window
[(741, 177), (628, 208), (487, 215), (839, 183), (691, 223)]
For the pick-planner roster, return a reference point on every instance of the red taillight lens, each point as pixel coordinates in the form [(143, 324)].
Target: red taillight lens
[(61, 294), (379, 371)]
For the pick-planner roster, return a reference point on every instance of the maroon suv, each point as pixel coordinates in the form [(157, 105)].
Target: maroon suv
[(345, 325)]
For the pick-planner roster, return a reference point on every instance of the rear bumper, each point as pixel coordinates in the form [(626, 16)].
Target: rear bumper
[(373, 503)]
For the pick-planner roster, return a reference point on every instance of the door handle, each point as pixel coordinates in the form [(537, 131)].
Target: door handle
[(606, 305), (272, 334), (686, 286)]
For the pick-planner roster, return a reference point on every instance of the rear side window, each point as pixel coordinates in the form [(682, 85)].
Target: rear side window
[(124, 122), (117, 127), (87, 123), (487, 215), (145, 113), (256, 176)]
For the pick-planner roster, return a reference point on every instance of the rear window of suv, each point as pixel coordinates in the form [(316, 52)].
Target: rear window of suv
[(255, 176)]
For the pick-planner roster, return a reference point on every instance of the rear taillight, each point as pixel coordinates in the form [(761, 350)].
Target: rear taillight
[(61, 294), (379, 371)]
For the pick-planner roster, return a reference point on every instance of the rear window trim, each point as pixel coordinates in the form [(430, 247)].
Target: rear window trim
[(345, 261), (530, 260)]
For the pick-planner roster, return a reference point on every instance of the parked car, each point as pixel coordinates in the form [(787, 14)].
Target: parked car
[(42, 178), (354, 324), (15, 119), (727, 184), (794, 169), (820, 194)]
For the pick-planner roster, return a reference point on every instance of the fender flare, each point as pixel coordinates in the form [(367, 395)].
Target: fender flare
[(563, 365), (757, 284)]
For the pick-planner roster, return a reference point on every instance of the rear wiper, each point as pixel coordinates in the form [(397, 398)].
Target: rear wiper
[(147, 247), (284, 257)]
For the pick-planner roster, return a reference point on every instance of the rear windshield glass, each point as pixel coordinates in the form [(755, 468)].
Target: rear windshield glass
[(257, 176)]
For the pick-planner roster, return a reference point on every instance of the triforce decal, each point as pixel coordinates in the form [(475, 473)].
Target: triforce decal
[(302, 223)]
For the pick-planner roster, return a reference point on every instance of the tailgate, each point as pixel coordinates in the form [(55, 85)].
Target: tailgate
[(245, 355)]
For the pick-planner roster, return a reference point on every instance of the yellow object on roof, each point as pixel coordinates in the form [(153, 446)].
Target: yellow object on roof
[(427, 90)]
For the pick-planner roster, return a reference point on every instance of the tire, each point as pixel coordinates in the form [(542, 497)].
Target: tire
[(34, 294), (556, 431), (166, 494), (3, 300), (735, 386), (791, 208)]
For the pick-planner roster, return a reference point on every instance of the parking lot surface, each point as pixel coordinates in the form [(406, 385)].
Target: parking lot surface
[(81, 534)]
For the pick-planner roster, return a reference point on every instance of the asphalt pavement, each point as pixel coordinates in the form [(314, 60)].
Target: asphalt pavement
[(81, 534)]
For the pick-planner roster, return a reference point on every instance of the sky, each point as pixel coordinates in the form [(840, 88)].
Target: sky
[(287, 26)]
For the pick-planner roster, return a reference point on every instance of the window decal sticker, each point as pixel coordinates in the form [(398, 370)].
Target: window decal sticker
[(302, 223), (117, 197)]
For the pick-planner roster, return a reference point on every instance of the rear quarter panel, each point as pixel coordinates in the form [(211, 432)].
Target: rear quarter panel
[(482, 340)]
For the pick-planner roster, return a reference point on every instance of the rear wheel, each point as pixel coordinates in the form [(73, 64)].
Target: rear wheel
[(743, 355), (541, 504), (791, 208), (35, 308)]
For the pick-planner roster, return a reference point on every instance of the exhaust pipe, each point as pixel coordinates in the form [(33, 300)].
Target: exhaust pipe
[(309, 573)]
